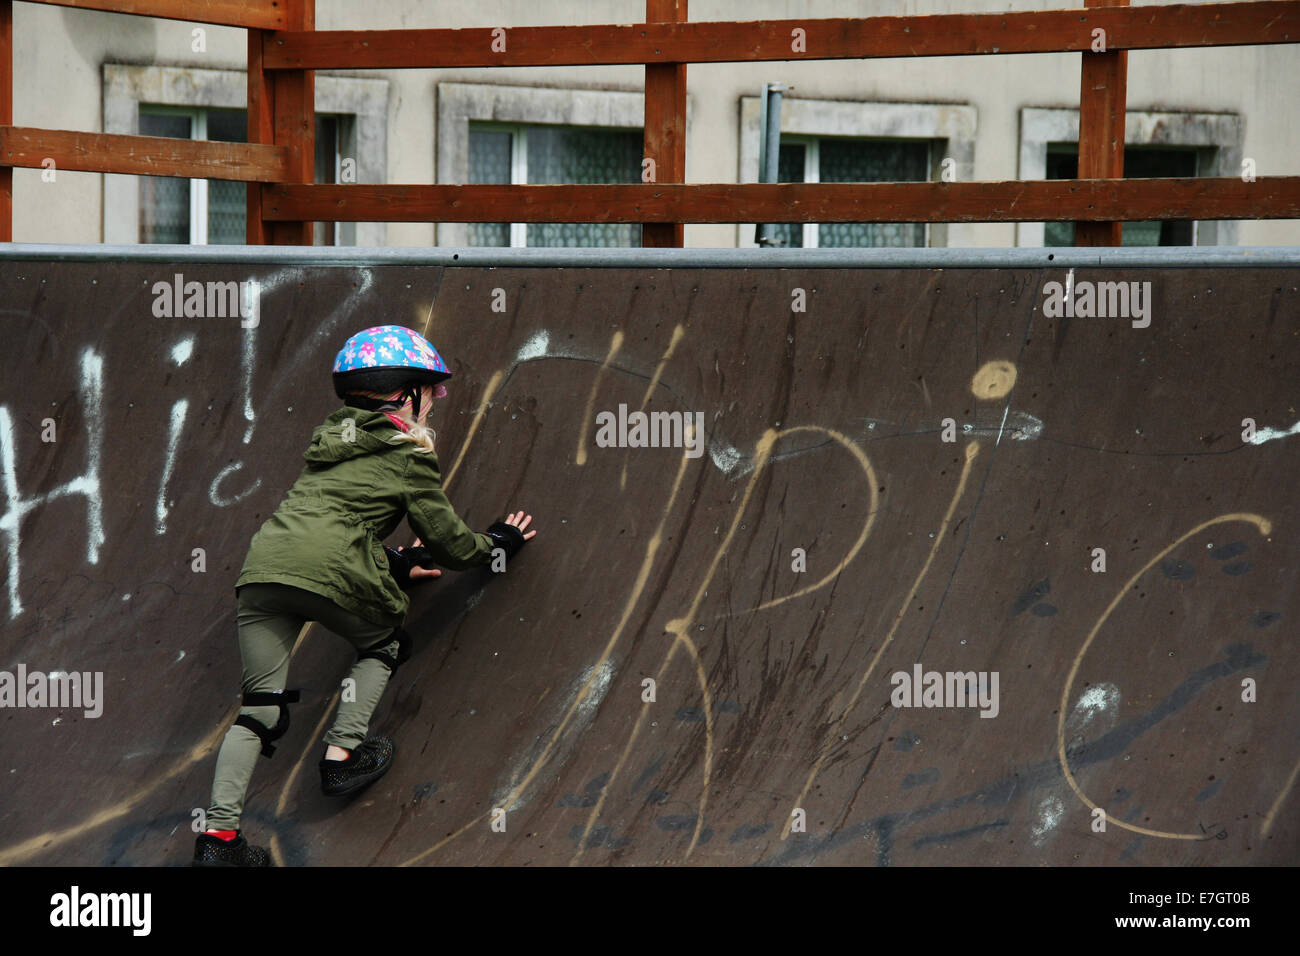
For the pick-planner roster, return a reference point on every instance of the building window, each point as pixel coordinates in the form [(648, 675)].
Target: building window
[(837, 141), (1139, 163), (833, 160), (553, 154), (167, 205), (214, 211), (183, 102), (1156, 144), (519, 134)]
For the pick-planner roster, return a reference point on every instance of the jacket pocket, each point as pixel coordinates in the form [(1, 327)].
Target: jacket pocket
[(388, 595)]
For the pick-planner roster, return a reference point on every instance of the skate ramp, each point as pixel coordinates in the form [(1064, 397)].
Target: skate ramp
[(704, 656)]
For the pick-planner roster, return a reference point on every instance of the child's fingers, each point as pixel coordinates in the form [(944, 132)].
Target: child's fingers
[(520, 520)]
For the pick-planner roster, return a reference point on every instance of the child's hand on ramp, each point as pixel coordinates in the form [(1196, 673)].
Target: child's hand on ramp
[(509, 535), (521, 521), (418, 573)]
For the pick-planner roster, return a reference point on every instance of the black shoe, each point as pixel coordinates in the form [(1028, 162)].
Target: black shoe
[(214, 851), (369, 761)]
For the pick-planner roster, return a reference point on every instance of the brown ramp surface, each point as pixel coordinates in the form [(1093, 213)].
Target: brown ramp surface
[(749, 650)]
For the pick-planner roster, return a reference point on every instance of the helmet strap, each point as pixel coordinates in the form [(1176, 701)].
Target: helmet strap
[(368, 404)]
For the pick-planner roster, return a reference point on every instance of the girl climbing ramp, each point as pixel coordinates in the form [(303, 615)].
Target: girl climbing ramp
[(320, 558)]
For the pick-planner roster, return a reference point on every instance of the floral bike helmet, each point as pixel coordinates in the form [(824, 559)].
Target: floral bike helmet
[(387, 358)]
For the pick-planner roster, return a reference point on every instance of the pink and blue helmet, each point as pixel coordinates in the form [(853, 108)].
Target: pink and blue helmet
[(386, 358)]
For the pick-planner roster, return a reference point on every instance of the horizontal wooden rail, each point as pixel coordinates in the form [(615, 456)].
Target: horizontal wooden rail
[(260, 14), (142, 155), (1052, 200), (1048, 31)]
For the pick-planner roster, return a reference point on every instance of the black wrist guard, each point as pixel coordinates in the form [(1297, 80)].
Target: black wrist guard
[(419, 555), (506, 536), (399, 566), (400, 563)]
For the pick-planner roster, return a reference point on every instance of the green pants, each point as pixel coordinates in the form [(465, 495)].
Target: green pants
[(270, 617)]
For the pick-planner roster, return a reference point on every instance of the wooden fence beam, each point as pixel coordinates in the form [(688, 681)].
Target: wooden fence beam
[(261, 130), (142, 155), (293, 120), (665, 124), (1180, 25), (1050, 200), (1102, 95), (6, 115), (262, 14)]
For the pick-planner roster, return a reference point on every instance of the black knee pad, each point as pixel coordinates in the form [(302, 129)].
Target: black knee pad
[(268, 699), (403, 650)]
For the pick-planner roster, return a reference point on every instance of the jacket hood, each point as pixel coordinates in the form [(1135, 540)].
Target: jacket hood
[(350, 433)]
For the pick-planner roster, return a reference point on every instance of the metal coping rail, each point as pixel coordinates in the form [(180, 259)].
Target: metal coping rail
[(1132, 257)]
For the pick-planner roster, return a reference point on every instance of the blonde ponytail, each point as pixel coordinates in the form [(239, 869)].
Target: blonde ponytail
[(421, 436)]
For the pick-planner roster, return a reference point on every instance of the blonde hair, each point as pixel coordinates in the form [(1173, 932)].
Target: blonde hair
[(421, 436)]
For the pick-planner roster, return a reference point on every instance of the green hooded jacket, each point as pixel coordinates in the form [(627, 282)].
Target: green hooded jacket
[(327, 535)]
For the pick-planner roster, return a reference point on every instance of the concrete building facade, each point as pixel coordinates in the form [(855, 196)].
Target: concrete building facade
[(1203, 112)]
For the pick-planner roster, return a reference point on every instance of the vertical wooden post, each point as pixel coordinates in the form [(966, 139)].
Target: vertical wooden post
[(261, 129), (1102, 94), (665, 123), (282, 110), (6, 116)]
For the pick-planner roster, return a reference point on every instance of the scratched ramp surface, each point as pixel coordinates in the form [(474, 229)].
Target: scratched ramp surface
[(772, 737)]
